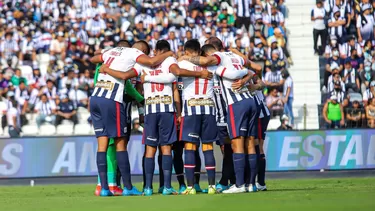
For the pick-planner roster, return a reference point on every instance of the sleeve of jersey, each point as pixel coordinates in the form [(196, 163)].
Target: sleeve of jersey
[(218, 57), (162, 79), (132, 92), (170, 61), (231, 73), (136, 54)]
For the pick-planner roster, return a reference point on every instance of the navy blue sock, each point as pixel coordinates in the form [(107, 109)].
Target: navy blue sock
[(189, 166), (227, 170), (210, 164), (247, 170), (149, 171), (198, 165), (262, 170), (101, 162), (124, 166), (253, 163), (167, 170), (239, 168)]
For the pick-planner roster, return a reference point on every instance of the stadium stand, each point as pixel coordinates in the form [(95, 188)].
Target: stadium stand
[(45, 47)]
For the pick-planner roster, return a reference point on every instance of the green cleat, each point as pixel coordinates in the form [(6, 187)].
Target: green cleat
[(211, 190), (189, 191)]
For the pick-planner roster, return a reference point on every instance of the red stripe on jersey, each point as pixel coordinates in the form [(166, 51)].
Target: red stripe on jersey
[(136, 73), (181, 128), (143, 136), (197, 86), (218, 58), (233, 123), (222, 72), (136, 60), (118, 127), (259, 129), (205, 86), (169, 68)]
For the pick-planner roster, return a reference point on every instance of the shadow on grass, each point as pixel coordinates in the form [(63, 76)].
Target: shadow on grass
[(291, 189)]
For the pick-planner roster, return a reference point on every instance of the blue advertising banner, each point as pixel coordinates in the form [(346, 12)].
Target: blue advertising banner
[(285, 151)]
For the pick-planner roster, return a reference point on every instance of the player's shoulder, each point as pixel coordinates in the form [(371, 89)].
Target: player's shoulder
[(184, 63), (170, 59)]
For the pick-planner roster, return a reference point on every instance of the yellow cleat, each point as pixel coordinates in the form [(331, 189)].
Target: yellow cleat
[(211, 190), (189, 191)]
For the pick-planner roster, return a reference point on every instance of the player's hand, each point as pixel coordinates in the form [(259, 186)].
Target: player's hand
[(329, 122), (97, 52), (103, 68), (252, 88), (342, 122), (205, 74), (178, 120), (143, 75), (238, 84)]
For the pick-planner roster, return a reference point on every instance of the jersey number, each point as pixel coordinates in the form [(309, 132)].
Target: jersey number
[(237, 66), (156, 86), (204, 86), (109, 61)]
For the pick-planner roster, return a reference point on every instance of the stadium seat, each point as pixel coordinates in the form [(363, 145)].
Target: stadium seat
[(47, 130), (274, 124), (26, 71), (29, 130), (83, 129), (43, 58), (65, 129), (355, 96), (43, 69)]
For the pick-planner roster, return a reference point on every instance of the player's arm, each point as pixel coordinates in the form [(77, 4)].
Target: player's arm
[(117, 74), (153, 61), (161, 79), (247, 63), (231, 73), (202, 61), (176, 96), (241, 82), (132, 92), (97, 59), (177, 71)]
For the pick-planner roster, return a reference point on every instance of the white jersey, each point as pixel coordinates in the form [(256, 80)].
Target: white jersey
[(220, 105), (197, 93), (231, 62), (261, 103), (120, 59), (158, 96)]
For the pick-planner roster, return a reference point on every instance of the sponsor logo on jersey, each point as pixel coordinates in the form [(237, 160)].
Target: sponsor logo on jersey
[(159, 100), (201, 102), (242, 90), (105, 85)]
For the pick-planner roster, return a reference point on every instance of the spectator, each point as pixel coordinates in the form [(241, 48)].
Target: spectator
[(355, 60), (66, 110), (369, 93), (347, 48), (173, 41), (355, 116), (365, 24), (13, 118), (281, 43), (370, 113), (176, 19), (136, 129), (258, 53), (288, 95), (366, 77), (284, 123), (243, 13), (333, 113), (336, 25), (45, 110), (274, 46), (229, 18), (3, 84), (350, 78), (277, 16), (335, 81), (334, 64), (9, 51), (332, 44), (275, 103), (243, 41), (58, 47), (146, 20), (17, 78), (318, 14), (27, 55)]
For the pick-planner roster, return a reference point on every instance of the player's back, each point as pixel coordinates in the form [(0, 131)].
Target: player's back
[(229, 60), (158, 96), (121, 59), (197, 93)]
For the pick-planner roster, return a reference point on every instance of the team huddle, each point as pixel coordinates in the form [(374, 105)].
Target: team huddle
[(204, 97)]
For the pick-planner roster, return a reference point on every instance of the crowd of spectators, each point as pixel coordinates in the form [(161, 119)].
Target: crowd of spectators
[(346, 30), (45, 46)]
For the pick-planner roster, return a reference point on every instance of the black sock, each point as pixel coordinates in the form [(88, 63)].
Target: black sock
[(101, 162), (227, 165), (161, 173), (143, 169), (198, 165), (178, 163), (262, 170), (118, 177), (247, 170)]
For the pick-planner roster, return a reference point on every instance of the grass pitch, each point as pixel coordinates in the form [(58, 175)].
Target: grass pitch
[(302, 194)]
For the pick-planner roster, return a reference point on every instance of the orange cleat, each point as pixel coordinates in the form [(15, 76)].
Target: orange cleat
[(97, 190), (117, 191)]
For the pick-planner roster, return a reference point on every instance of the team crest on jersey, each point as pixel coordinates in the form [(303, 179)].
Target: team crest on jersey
[(217, 90), (180, 85), (105, 85)]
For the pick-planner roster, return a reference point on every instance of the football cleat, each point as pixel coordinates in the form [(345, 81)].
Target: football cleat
[(160, 190), (189, 191), (182, 189), (169, 191), (105, 192), (147, 192), (133, 192), (211, 189), (117, 191), (97, 190), (235, 189), (197, 188), (261, 187), (220, 188), (251, 188)]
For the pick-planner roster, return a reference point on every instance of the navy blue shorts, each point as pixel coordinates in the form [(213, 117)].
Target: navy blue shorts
[(262, 127), (199, 128), (159, 129), (223, 134), (242, 117), (108, 117)]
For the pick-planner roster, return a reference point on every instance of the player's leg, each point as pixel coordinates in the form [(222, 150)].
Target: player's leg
[(161, 174), (101, 162), (197, 170), (227, 166), (178, 163), (189, 166), (237, 125), (252, 144), (149, 169), (262, 161)]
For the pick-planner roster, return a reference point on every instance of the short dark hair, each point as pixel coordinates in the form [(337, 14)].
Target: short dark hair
[(162, 45), (216, 42), (43, 95), (206, 48), (123, 43), (145, 44), (193, 45)]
